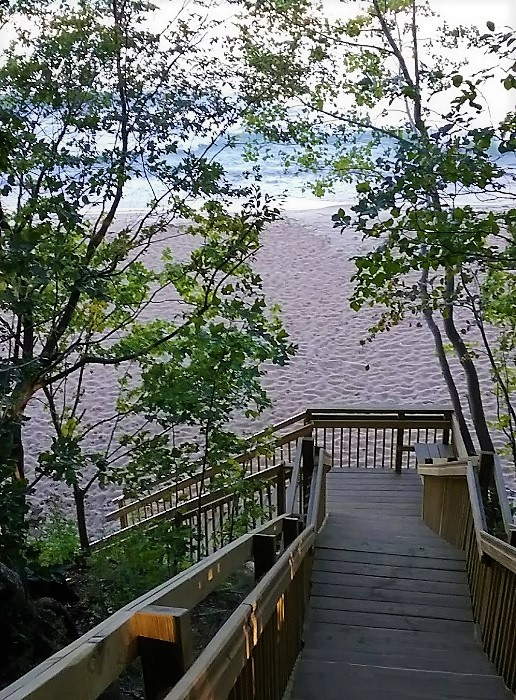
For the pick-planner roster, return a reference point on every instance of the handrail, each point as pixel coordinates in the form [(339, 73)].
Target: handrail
[(460, 445), (255, 436), (96, 659), (405, 418), (190, 506), (275, 607), (477, 508), (503, 500), (478, 516), (217, 670), (453, 507), (394, 408), (230, 657), (315, 515), (266, 627), (497, 480), (500, 551), (174, 489), (295, 481)]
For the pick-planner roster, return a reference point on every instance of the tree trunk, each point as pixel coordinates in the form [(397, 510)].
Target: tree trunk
[(476, 405), (79, 497), (450, 382), (13, 494), (11, 447), (502, 385), (443, 362)]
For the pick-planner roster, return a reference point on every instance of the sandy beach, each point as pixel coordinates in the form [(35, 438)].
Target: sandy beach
[(307, 268)]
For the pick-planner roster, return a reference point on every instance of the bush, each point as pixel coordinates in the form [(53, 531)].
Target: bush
[(57, 541), (130, 567)]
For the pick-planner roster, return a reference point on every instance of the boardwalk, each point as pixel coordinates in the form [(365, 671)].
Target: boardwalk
[(390, 609)]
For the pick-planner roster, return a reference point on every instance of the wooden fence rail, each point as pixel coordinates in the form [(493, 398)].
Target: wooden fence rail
[(156, 627), (279, 449), (378, 438), (370, 437), (252, 655), (85, 668), (453, 508), (213, 519)]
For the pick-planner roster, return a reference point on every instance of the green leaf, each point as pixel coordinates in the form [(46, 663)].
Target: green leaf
[(457, 80), (490, 25)]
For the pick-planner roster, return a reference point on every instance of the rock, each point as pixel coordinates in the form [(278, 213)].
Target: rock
[(53, 586), (31, 630)]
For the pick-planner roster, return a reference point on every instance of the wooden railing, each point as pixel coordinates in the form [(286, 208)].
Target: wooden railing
[(280, 441), (367, 437), (253, 654), (214, 518), (264, 632), (379, 438), (453, 508), (494, 493)]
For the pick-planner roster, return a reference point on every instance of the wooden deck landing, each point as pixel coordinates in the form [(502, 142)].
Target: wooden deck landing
[(390, 609)]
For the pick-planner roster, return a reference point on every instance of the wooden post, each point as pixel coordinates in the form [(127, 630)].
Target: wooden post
[(264, 554), (291, 529), (399, 449), (280, 490), (164, 646), (446, 431), (308, 451), (124, 522), (485, 473)]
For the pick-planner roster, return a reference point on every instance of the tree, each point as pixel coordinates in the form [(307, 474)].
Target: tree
[(366, 99), (95, 101)]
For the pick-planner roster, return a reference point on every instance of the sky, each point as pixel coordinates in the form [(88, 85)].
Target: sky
[(458, 11), (454, 12), (502, 12)]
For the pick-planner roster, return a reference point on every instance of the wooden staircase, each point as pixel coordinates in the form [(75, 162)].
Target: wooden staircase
[(390, 608), (412, 591)]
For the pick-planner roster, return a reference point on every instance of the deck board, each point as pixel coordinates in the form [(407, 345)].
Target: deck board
[(390, 613)]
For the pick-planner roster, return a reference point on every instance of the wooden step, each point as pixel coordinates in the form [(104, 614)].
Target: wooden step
[(334, 680)]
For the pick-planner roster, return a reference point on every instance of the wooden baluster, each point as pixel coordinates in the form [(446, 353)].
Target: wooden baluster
[(123, 518)]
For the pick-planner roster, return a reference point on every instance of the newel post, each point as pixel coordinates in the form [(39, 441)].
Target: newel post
[(264, 554), (399, 445), (308, 463), (164, 642), (292, 528), (485, 472)]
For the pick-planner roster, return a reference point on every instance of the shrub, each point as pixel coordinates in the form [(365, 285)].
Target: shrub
[(57, 540), (130, 567)]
